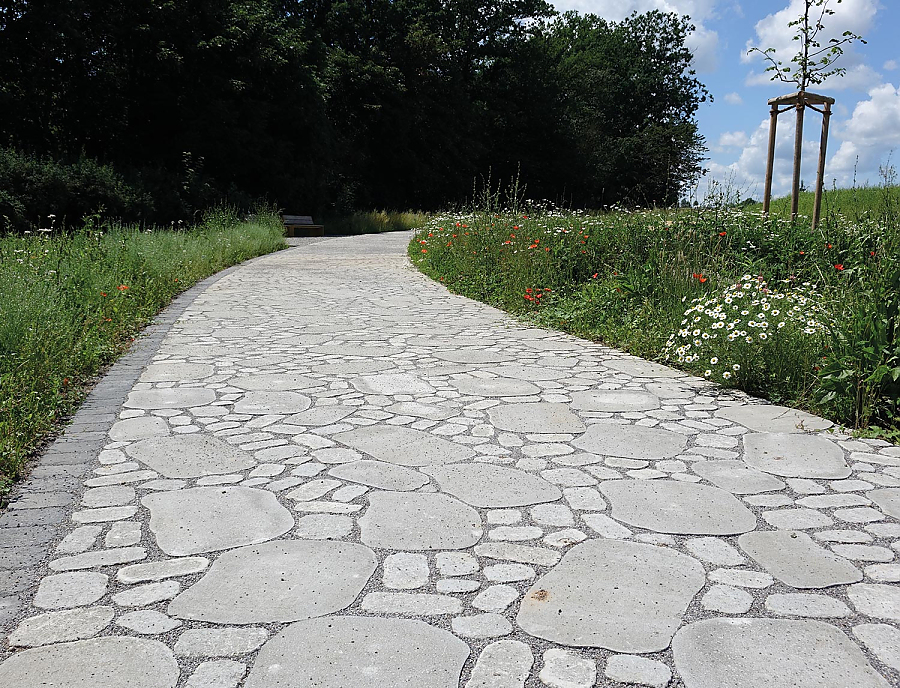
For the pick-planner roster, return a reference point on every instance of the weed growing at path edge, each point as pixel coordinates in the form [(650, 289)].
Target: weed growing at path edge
[(70, 304), (802, 317)]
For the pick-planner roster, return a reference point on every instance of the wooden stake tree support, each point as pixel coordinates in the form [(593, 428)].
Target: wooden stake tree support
[(798, 101)]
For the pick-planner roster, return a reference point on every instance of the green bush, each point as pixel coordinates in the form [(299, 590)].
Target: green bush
[(34, 191)]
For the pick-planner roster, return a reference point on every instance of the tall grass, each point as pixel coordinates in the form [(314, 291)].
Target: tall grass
[(71, 303), (808, 318), (374, 222)]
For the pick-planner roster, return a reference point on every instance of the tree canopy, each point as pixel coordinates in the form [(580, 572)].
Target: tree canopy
[(323, 105)]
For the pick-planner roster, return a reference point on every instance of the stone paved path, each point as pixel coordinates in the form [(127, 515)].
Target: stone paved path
[(333, 473)]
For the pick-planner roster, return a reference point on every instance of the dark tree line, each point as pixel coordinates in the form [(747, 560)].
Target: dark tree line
[(324, 105)]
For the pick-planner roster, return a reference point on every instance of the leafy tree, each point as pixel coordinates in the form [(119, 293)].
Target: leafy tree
[(814, 62)]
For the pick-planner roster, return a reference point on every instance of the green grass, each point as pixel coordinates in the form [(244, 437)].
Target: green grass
[(374, 222), (855, 203), (71, 304), (629, 278)]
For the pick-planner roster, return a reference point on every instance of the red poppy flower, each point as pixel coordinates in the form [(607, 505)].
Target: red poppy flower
[(839, 267)]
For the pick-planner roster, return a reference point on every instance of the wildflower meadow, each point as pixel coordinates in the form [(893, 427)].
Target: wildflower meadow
[(803, 317)]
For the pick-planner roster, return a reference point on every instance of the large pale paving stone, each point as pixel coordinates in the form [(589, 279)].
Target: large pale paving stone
[(503, 664), (876, 600), (359, 652), (668, 506), (390, 384), (888, 500), (61, 626), (495, 387), (278, 582), (737, 477), (139, 428), (529, 373), (614, 400), (771, 418), (794, 559), (190, 456), (419, 521), (795, 456), (207, 519), (537, 417), (618, 595), (882, 640), (171, 398), (99, 663), (264, 403), (489, 485), (749, 653), (320, 415), (380, 474), (403, 446), (274, 382), (65, 590), (473, 356), (637, 367), (176, 372), (631, 441)]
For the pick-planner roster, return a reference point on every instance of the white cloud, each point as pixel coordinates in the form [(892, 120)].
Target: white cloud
[(890, 65), (773, 31), (734, 99), (733, 139), (868, 137), (703, 42), (747, 173)]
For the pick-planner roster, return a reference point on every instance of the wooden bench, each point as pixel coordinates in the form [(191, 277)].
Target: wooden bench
[(301, 226)]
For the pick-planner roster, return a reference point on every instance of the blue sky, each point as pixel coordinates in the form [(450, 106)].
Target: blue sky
[(865, 127)]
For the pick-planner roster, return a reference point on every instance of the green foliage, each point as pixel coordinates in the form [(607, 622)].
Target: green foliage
[(33, 190), (800, 316), (70, 304), (374, 222)]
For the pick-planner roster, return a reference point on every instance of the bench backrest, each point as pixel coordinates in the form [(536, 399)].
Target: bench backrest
[(297, 219)]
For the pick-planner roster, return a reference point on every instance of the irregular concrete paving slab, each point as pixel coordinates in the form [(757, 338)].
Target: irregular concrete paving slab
[(771, 418), (631, 441), (419, 521), (320, 415), (637, 367), (538, 417), (190, 456), (492, 486), (263, 403), (794, 559), (139, 428), (667, 506), (495, 387), (359, 652), (737, 477), (380, 474), (176, 372), (171, 398), (749, 653), (876, 600), (404, 446), (882, 640), (504, 664), (888, 500), (618, 595), (278, 582), (207, 519), (61, 626), (274, 382), (391, 384), (98, 663), (795, 456), (614, 400)]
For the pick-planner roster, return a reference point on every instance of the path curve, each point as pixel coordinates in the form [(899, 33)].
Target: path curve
[(334, 473)]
